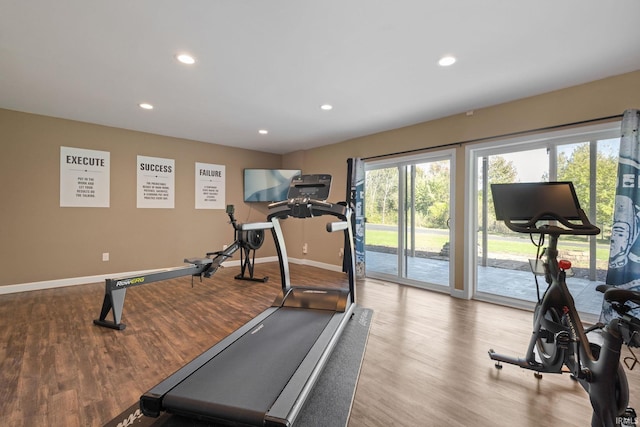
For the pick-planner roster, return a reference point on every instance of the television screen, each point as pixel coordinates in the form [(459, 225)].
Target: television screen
[(267, 185), (524, 201)]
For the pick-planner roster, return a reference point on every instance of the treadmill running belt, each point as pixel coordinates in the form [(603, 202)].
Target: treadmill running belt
[(242, 382)]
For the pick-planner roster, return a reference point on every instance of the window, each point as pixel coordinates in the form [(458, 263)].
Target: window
[(408, 228), (499, 268)]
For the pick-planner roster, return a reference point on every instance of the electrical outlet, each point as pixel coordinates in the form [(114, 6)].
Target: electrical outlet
[(224, 247), (341, 253), (105, 256), (304, 248)]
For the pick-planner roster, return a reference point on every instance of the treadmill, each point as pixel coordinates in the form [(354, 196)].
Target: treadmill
[(261, 374)]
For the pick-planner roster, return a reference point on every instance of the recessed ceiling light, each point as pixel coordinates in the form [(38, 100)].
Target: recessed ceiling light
[(263, 131), (326, 107), (186, 59), (146, 106), (445, 61)]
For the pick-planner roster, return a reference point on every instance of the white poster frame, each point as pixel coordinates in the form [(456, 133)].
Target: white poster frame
[(84, 177), (155, 183), (210, 183)]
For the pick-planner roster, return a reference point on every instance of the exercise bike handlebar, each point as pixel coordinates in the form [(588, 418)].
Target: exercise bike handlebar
[(583, 228), (614, 294)]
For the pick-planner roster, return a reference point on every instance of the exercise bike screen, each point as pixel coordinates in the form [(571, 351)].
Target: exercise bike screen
[(524, 201)]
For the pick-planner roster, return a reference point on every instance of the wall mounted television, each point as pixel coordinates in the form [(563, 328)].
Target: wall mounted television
[(267, 185)]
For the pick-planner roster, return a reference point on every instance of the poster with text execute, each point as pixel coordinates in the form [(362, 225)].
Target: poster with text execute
[(84, 178), (210, 184), (156, 182)]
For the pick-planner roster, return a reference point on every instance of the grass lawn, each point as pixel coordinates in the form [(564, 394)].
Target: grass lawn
[(503, 244)]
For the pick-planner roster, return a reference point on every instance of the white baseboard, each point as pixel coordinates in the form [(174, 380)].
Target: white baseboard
[(72, 281), (60, 283), (311, 263)]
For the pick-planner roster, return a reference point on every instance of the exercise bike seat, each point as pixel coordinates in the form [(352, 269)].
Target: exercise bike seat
[(621, 296)]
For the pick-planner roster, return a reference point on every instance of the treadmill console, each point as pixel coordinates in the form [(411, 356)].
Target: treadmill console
[(307, 198), (314, 187)]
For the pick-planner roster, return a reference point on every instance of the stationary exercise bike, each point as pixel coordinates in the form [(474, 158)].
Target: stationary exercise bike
[(559, 339)]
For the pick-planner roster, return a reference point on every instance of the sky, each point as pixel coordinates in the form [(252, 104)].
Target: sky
[(533, 164)]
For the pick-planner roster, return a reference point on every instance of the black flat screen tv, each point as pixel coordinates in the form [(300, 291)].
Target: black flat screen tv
[(267, 185), (524, 201)]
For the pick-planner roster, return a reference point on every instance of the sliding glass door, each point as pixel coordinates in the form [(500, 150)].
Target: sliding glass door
[(588, 158), (408, 226)]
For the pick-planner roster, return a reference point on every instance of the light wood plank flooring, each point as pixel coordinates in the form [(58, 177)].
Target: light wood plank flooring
[(426, 361)]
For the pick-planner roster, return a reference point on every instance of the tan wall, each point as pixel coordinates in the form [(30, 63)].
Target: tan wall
[(42, 241), (602, 98)]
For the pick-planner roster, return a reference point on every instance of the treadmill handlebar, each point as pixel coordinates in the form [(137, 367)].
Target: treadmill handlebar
[(255, 226), (306, 208), (279, 204), (337, 226)]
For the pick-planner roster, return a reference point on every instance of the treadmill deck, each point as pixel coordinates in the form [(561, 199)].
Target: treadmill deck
[(242, 382)]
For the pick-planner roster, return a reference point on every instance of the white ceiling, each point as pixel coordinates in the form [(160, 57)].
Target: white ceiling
[(270, 64)]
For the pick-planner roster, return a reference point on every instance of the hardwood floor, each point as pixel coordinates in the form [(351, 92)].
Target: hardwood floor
[(426, 360)]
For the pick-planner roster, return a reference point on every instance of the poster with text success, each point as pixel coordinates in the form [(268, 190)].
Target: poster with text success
[(156, 182), (210, 184), (84, 178)]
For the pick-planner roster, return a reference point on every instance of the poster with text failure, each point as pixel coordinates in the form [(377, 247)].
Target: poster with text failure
[(156, 182), (210, 184), (84, 178)]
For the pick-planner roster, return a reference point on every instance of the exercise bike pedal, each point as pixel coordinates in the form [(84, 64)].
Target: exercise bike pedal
[(583, 374)]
